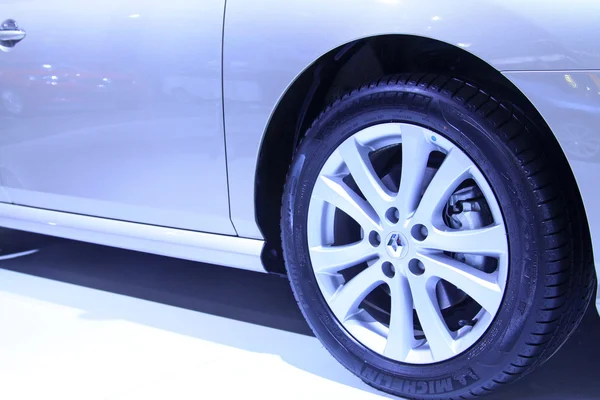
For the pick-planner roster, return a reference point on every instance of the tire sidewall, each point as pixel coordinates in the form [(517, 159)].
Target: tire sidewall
[(482, 144)]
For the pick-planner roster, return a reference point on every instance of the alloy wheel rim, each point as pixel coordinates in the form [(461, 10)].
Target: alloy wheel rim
[(403, 244)]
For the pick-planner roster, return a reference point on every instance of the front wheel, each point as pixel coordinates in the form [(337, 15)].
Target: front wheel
[(427, 241)]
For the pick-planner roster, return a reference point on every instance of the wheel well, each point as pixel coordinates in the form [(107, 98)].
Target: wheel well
[(344, 69)]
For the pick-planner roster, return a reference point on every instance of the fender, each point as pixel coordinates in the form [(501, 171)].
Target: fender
[(268, 44)]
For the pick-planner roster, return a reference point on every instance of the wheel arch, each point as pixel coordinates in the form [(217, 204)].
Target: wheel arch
[(348, 66)]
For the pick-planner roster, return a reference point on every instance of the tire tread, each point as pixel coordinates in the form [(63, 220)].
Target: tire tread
[(564, 307)]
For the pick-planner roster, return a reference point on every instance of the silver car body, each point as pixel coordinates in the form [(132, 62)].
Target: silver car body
[(139, 124)]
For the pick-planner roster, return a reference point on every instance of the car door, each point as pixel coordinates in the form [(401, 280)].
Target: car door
[(114, 109)]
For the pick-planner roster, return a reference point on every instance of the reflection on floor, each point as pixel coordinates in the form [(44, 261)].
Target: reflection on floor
[(80, 321)]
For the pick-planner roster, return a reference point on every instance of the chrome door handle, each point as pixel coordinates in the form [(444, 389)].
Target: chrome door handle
[(10, 34)]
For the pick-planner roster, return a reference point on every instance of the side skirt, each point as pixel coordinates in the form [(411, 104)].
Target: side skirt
[(223, 250)]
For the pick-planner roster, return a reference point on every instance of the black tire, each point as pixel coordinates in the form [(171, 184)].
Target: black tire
[(551, 278)]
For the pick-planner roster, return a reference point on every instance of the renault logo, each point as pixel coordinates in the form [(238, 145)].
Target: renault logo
[(396, 245)]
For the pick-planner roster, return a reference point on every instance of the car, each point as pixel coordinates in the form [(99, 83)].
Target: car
[(425, 174), (58, 86)]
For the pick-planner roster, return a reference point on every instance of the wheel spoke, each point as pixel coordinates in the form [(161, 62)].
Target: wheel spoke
[(411, 218), (432, 322), (480, 286), (400, 337), (356, 158), (331, 259), (453, 171), (490, 241), (415, 154), (348, 297), (334, 191)]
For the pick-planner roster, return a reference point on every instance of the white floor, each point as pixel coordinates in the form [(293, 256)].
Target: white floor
[(85, 322)]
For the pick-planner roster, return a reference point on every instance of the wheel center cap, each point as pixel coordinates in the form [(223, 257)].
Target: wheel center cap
[(396, 245)]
